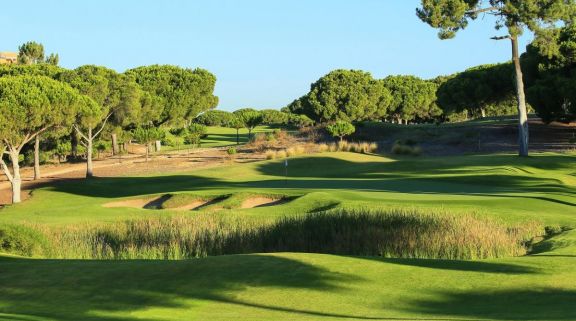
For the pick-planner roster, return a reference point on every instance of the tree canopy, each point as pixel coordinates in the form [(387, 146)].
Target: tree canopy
[(349, 95), (29, 106), (412, 98), (183, 93), (486, 90), (551, 76), (340, 129)]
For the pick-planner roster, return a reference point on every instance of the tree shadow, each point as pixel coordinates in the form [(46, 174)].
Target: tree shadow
[(520, 304), (74, 289), (459, 265)]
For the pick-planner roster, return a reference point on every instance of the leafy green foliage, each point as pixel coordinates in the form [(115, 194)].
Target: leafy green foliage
[(486, 90), (217, 118), (551, 79), (249, 117), (348, 95), (274, 117), (32, 104), (340, 129), (31, 53), (412, 98), (147, 135), (182, 93)]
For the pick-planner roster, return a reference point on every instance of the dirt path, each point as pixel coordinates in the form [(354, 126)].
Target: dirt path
[(128, 165)]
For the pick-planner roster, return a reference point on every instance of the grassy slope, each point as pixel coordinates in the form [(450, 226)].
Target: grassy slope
[(311, 286)]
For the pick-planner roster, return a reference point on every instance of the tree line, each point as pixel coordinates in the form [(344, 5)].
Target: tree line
[(478, 92), (39, 101)]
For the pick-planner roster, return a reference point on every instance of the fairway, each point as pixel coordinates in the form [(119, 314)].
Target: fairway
[(311, 286)]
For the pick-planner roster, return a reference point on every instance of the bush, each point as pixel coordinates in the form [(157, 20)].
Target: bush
[(231, 151), (28, 159), (20, 240), (406, 147)]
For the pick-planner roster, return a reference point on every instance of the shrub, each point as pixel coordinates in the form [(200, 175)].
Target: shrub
[(21, 240), (270, 154), (281, 154), (341, 129), (231, 151), (406, 147), (323, 148)]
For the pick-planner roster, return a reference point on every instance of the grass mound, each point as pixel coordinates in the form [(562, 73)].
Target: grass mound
[(392, 233)]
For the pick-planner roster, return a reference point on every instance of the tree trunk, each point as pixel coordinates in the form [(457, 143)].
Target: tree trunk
[(237, 136), (147, 151), (483, 112), (74, 143), (115, 149), (89, 167), (523, 133), (37, 157), (16, 179)]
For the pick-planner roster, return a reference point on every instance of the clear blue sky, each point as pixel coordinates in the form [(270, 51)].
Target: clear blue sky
[(265, 53)]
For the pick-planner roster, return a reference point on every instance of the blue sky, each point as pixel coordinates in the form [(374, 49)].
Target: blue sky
[(265, 53)]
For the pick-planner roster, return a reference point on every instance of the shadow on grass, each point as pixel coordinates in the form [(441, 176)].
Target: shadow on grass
[(458, 265), (520, 304), (74, 289)]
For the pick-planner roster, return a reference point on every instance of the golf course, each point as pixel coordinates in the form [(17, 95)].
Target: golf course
[(504, 189), (288, 160)]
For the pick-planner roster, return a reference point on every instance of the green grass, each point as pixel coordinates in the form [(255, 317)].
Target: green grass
[(222, 137), (504, 188)]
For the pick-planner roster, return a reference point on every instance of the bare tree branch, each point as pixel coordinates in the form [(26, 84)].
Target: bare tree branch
[(103, 124), (80, 132), (4, 167), (482, 10)]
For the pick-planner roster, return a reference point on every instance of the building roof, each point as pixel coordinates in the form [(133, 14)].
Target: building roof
[(8, 55)]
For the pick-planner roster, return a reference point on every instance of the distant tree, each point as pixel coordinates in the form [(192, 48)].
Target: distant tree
[(36, 70), (412, 98), (237, 124), (250, 118), (116, 95), (300, 121), (53, 59), (31, 53), (183, 93), (219, 118), (147, 135), (349, 95), (341, 129), (31, 70), (551, 77), (482, 90), (274, 117), (29, 106), (542, 17)]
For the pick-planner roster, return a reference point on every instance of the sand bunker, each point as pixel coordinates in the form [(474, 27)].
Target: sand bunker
[(147, 203), (196, 205), (260, 201)]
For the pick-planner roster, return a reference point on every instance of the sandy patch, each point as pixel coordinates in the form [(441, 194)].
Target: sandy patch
[(192, 206), (147, 203), (260, 201)]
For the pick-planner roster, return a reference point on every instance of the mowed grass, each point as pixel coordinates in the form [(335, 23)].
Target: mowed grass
[(312, 286), (223, 137)]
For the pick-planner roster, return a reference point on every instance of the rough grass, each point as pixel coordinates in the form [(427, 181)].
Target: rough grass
[(396, 234)]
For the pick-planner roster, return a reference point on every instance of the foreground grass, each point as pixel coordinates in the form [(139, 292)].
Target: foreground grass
[(289, 286), (504, 188)]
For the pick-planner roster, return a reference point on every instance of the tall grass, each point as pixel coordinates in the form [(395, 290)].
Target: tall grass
[(392, 233)]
